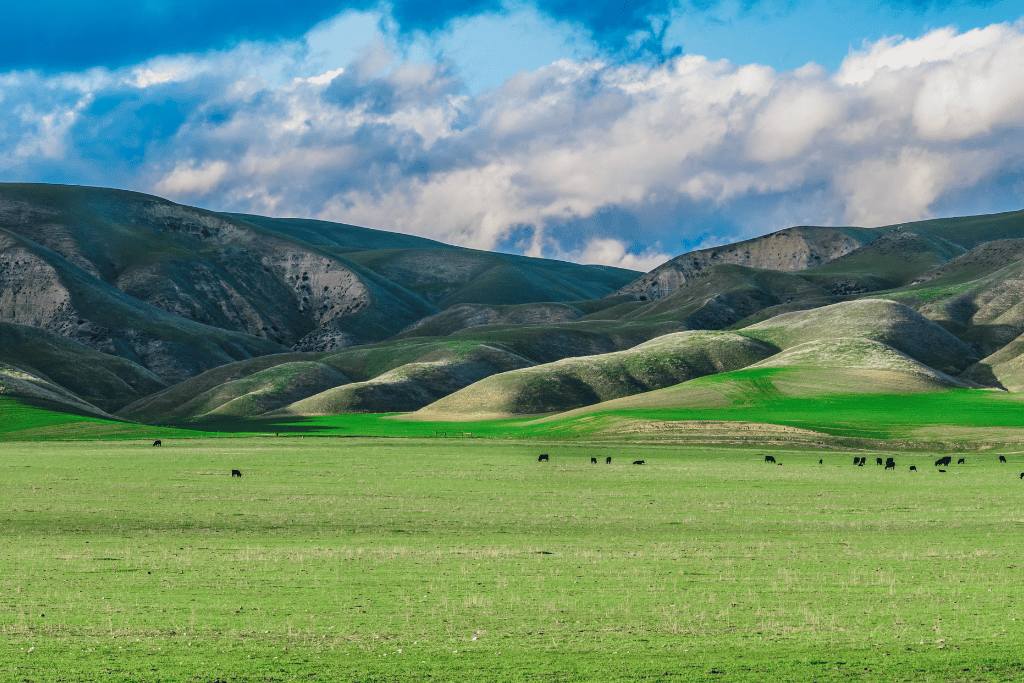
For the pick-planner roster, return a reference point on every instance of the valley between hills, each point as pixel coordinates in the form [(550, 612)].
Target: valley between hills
[(120, 310)]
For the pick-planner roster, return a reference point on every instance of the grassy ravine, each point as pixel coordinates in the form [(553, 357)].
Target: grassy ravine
[(392, 560)]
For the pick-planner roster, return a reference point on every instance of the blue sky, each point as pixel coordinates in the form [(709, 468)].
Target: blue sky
[(623, 133)]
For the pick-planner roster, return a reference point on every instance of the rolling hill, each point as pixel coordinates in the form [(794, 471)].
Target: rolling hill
[(119, 302), (581, 381)]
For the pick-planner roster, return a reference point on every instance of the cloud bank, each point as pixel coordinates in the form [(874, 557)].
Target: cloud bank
[(590, 160)]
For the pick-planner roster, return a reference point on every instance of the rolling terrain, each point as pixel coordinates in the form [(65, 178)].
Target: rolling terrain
[(115, 302)]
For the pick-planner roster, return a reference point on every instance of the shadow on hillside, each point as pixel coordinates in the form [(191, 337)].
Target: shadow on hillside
[(280, 426)]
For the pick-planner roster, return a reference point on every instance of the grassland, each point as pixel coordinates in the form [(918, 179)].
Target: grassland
[(385, 560)]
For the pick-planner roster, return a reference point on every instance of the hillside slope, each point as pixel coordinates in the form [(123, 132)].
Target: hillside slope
[(42, 289), (210, 268), (854, 367), (105, 381), (881, 320), (788, 250), (575, 382)]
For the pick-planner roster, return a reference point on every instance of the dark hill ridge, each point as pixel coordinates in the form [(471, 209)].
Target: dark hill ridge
[(211, 268), (42, 289), (345, 238), (69, 371), (448, 276)]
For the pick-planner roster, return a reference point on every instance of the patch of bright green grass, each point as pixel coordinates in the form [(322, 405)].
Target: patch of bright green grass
[(403, 560), (876, 416), (27, 420)]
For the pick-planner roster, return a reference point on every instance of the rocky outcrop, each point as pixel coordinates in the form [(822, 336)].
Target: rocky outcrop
[(793, 249), (44, 290)]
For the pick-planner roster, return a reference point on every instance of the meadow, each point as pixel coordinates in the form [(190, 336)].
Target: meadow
[(373, 559)]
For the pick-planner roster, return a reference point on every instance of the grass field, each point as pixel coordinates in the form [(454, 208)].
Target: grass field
[(404, 559)]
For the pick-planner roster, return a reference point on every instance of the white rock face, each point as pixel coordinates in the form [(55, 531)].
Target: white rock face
[(790, 250)]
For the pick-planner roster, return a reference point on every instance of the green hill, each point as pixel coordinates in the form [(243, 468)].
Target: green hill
[(752, 387), (164, 312), (448, 278), (574, 382), (101, 380), (412, 385), (45, 290), (889, 322), (258, 393)]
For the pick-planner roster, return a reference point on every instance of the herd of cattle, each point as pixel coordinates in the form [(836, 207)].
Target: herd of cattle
[(543, 457), (890, 463)]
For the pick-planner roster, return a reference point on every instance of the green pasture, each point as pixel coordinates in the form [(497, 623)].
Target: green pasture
[(467, 560), (941, 416), (947, 415)]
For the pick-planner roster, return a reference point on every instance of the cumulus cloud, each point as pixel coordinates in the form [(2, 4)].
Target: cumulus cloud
[(690, 150)]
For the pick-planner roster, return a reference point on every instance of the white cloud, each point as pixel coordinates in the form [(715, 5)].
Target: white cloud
[(607, 251), (190, 178), (788, 124), (324, 79), (400, 145), (895, 54)]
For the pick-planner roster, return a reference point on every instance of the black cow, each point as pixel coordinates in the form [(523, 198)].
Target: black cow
[(608, 460), (593, 461), (1002, 458), (157, 443), (542, 457), (236, 473), (913, 469), (878, 461), (943, 471), (769, 458), (856, 461), (890, 465), (638, 462), (961, 462), (942, 462), (1022, 475), (819, 462)]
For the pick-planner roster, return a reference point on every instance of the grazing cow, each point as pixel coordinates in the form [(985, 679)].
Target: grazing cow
[(157, 443), (878, 461), (638, 462), (542, 457), (236, 473), (819, 462), (856, 461), (913, 469), (1002, 458), (942, 462), (769, 458), (1022, 475), (890, 465), (593, 461), (608, 460), (961, 462)]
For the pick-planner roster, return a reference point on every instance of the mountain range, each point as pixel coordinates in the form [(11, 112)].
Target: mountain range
[(115, 303)]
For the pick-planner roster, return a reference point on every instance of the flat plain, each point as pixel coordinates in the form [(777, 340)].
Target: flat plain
[(371, 559)]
